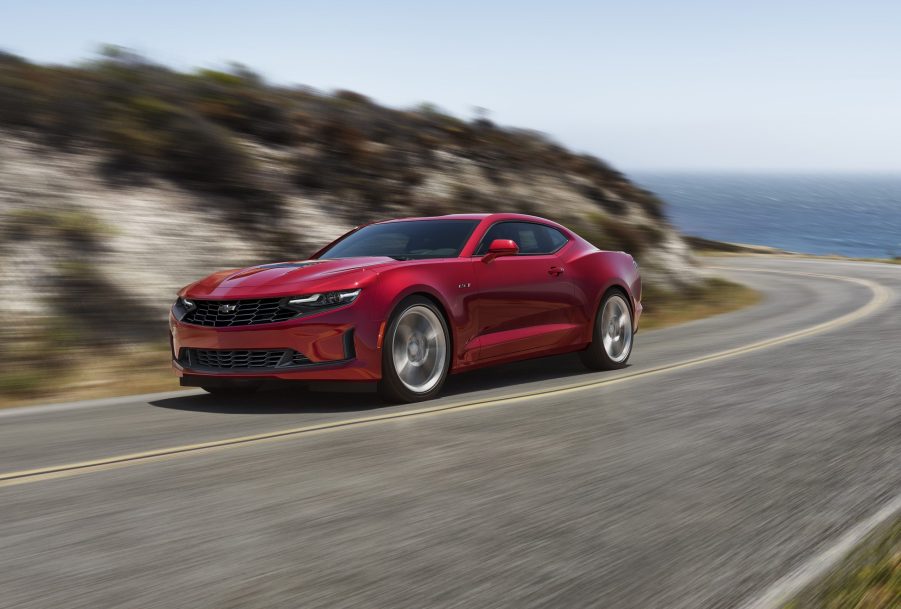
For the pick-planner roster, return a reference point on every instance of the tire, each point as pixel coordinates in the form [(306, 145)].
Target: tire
[(416, 352), (228, 392), (612, 336)]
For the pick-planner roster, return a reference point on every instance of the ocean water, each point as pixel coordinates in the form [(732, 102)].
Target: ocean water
[(849, 214)]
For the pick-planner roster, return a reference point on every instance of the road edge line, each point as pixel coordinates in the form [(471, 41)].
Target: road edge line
[(785, 589)]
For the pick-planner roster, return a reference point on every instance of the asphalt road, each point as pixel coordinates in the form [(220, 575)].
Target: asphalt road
[(728, 453)]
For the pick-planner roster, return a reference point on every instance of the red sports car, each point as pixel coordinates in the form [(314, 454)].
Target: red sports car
[(406, 302)]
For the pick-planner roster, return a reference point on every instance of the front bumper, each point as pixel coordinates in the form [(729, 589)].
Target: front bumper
[(330, 346)]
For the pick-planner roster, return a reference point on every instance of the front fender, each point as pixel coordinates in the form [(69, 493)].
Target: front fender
[(448, 282)]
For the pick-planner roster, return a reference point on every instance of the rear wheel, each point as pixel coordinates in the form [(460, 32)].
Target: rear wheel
[(611, 343), (416, 352)]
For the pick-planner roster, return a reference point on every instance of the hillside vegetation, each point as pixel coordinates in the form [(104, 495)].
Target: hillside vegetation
[(231, 135), (122, 180)]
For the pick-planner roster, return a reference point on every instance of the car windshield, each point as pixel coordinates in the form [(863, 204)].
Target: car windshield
[(408, 240)]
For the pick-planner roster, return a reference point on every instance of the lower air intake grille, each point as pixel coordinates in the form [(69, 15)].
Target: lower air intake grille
[(220, 359)]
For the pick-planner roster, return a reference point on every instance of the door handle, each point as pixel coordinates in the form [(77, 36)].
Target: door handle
[(555, 270)]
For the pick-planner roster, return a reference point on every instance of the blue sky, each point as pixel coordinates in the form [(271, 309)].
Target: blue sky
[(644, 84)]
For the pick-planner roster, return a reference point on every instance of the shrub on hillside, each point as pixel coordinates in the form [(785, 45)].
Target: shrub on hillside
[(239, 101), (197, 150), (609, 233)]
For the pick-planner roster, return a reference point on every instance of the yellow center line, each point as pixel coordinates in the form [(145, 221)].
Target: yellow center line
[(880, 296)]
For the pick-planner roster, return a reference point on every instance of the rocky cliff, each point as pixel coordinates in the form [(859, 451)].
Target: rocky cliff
[(121, 180)]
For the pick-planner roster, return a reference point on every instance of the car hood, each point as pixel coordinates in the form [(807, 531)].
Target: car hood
[(288, 278)]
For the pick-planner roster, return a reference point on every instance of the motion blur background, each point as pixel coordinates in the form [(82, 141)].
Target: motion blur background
[(146, 146)]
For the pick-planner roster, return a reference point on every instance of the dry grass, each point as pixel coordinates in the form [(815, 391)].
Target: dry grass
[(129, 370), (868, 579), (662, 308)]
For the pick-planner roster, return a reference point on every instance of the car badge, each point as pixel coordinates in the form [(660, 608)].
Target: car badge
[(228, 308)]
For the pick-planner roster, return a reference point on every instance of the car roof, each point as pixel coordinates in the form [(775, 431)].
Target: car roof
[(482, 216)]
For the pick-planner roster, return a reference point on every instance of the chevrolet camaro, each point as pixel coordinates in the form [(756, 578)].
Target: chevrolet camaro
[(404, 303)]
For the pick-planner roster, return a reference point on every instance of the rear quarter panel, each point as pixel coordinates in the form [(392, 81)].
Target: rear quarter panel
[(594, 271)]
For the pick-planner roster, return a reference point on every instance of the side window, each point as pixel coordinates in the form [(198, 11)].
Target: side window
[(531, 238), (555, 238), (527, 239)]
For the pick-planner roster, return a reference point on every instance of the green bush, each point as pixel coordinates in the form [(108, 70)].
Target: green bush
[(239, 100), (196, 150), (84, 297), (77, 227), (18, 102), (22, 383), (610, 233)]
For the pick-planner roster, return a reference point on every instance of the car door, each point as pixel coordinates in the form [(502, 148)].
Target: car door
[(525, 303)]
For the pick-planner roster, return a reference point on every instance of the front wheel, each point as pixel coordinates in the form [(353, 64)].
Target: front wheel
[(611, 342), (416, 352)]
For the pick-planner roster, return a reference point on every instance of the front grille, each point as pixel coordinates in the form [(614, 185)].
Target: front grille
[(222, 359), (217, 313)]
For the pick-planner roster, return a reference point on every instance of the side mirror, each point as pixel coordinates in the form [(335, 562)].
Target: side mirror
[(500, 247)]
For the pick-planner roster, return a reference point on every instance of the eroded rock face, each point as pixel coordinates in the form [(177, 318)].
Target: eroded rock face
[(146, 236), (61, 217)]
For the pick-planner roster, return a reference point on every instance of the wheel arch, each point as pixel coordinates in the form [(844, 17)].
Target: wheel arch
[(434, 299), (618, 287), (613, 286)]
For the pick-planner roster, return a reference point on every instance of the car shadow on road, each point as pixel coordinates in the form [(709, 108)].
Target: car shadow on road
[(510, 376), (289, 398), (285, 399)]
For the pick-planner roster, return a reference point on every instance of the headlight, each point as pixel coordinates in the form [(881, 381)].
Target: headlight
[(182, 307), (323, 300)]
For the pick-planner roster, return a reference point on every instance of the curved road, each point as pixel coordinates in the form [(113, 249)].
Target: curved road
[(727, 454)]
